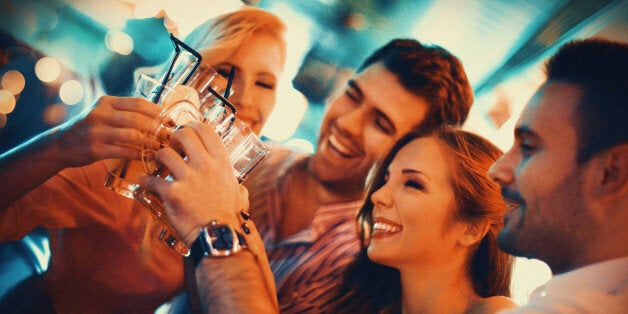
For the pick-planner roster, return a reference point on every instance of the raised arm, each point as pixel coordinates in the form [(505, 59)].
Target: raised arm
[(111, 129), (204, 189)]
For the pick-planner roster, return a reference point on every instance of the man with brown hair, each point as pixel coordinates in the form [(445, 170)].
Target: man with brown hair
[(567, 179)]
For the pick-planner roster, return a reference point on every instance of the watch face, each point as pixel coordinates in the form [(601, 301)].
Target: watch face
[(224, 238)]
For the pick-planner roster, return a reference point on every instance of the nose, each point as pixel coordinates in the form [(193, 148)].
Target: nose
[(502, 171), (244, 101), (351, 122), (381, 197)]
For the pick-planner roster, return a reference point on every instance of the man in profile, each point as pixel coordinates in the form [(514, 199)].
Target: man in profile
[(566, 177)]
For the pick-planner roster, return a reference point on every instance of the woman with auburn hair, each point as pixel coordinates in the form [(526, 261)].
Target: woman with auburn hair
[(428, 231), (427, 228)]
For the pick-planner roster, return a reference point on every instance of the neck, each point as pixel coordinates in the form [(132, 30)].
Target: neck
[(304, 195), (436, 288), (590, 250), (331, 191)]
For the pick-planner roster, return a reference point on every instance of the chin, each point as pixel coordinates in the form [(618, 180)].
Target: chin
[(507, 241)]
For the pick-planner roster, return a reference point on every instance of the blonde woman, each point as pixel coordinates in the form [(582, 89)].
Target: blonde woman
[(106, 256)]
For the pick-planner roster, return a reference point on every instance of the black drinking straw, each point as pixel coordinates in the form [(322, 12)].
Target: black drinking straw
[(177, 43), (229, 81), (222, 99)]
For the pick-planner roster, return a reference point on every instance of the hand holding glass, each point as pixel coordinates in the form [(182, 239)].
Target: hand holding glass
[(246, 150), (123, 174)]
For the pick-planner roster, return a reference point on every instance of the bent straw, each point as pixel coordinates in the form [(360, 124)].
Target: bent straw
[(222, 99)]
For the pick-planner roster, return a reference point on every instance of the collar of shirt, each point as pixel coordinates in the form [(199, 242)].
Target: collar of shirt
[(609, 276)]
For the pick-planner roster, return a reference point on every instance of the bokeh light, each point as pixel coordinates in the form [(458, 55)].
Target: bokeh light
[(288, 113), (119, 42), (55, 113), (13, 81), (47, 69), (47, 19), (7, 101), (71, 92)]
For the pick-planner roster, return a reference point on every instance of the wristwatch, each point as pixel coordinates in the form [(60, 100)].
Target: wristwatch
[(217, 240)]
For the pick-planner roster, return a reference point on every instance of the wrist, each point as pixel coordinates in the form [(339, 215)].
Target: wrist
[(217, 239)]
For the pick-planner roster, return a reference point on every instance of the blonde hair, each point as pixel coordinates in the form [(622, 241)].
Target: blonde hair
[(217, 38)]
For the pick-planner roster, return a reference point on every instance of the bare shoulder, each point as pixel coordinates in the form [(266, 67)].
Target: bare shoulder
[(491, 305)]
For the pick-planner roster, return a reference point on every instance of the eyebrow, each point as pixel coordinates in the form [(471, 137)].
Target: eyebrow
[(524, 130), (262, 73), (414, 171)]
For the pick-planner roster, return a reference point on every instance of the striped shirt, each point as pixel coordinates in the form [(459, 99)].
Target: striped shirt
[(309, 265)]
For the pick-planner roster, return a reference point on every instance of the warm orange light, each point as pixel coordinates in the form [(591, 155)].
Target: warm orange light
[(53, 114), (3, 120), (13, 81), (7, 101)]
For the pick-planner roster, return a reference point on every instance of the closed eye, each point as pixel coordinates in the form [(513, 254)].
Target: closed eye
[(414, 184), (351, 94), (384, 125), (265, 85), (526, 148), (353, 91)]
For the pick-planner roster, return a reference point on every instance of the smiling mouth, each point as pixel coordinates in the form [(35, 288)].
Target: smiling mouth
[(385, 228), (342, 150)]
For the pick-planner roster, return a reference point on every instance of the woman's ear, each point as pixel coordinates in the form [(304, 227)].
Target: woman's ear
[(472, 232)]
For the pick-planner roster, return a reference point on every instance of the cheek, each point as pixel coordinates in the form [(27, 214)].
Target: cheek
[(332, 111), (528, 178), (376, 144), (266, 104)]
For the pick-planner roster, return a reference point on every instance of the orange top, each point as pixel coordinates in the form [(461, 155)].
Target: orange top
[(106, 255)]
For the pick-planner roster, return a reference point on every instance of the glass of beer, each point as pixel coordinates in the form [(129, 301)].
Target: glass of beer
[(246, 150), (123, 174)]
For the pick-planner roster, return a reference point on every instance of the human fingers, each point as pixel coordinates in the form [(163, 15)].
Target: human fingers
[(211, 142), (184, 215), (125, 112), (172, 161), (98, 141), (134, 104)]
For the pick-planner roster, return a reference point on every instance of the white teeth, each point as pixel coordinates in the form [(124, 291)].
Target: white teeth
[(384, 227), (339, 147)]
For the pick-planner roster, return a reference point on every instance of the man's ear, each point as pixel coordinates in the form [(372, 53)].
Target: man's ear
[(473, 232), (610, 180)]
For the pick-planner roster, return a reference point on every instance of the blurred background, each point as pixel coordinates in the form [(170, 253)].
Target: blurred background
[(58, 56)]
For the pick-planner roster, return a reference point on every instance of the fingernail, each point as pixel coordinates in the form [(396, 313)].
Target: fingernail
[(246, 229), (246, 215)]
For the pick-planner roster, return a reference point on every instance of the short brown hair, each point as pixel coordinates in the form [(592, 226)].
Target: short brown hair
[(430, 72)]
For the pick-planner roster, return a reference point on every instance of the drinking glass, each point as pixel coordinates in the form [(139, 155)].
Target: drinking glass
[(123, 174), (205, 80), (246, 150)]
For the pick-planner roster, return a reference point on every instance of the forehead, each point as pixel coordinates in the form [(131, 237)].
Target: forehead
[(551, 112), (259, 51), (425, 154), (381, 90)]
